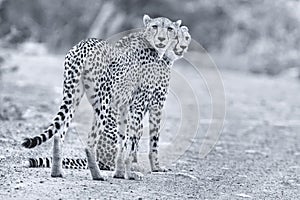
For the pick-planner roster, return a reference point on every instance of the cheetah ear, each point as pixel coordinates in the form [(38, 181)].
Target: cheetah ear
[(178, 23), (184, 28), (146, 19)]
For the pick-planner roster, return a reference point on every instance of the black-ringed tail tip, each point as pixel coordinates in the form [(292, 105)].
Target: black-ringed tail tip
[(31, 142)]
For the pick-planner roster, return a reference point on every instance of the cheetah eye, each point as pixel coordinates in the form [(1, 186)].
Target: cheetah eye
[(170, 29), (154, 26), (187, 38)]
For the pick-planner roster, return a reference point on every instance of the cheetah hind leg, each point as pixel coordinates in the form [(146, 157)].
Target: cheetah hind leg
[(56, 169), (93, 166)]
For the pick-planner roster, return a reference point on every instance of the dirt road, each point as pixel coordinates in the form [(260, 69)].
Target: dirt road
[(256, 157)]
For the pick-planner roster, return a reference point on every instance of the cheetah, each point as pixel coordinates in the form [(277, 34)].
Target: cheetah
[(109, 79), (174, 52)]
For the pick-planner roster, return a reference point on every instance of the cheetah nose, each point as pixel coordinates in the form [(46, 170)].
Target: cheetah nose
[(161, 39), (183, 47)]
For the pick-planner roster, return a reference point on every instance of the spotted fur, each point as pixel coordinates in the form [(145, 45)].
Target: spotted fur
[(122, 84)]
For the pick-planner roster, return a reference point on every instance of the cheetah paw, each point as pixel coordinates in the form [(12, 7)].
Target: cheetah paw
[(100, 178), (57, 175), (134, 176), (160, 169), (136, 167), (119, 174)]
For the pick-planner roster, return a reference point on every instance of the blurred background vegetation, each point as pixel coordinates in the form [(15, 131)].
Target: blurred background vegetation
[(261, 36)]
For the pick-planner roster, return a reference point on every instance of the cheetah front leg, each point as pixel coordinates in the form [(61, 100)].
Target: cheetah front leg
[(122, 137), (155, 116), (139, 135), (125, 156), (129, 174), (134, 129)]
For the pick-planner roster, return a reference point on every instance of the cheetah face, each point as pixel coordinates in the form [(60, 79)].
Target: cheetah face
[(160, 32), (183, 41)]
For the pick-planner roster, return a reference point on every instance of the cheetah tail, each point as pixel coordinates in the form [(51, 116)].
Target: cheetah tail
[(58, 122), (67, 163), (37, 140), (38, 162)]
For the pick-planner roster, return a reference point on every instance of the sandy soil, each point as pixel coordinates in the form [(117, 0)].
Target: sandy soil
[(256, 157)]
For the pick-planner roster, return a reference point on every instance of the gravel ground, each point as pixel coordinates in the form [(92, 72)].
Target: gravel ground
[(256, 157)]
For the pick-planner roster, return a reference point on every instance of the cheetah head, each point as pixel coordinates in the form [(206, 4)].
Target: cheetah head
[(178, 48), (160, 32), (184, 40)]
